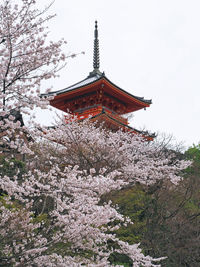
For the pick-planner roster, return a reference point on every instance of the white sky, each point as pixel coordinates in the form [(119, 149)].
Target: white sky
[(150, 48)]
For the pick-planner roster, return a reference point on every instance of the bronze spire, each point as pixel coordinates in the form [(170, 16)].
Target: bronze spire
[(96, 61)]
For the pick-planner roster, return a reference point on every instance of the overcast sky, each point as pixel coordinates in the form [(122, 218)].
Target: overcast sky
[(150, 48)]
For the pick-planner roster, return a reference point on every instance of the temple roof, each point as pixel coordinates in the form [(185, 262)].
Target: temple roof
[(86, 81), (92, 78)]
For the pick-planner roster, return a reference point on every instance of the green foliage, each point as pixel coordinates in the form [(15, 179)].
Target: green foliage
[(193, 153), (120, 259), (42, 218), (14, 205), (131, 202), (11, 167), (192, 206), (166, 218), (173, 218)]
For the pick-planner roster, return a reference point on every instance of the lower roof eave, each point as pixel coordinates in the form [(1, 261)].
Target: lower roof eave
[(146, 134)]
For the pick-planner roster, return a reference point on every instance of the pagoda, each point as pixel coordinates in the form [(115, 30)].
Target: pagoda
[(99, 99)]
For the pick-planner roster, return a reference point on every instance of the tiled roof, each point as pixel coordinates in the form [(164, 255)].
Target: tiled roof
[(87, 81), (145, 133), (93, 77)]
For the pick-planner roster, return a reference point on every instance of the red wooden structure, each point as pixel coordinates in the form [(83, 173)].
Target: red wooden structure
[(99, 98)]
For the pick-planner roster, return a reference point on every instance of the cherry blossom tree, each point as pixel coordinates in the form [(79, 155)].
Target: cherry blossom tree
[(59, 197), (26, 56), (51, 213)]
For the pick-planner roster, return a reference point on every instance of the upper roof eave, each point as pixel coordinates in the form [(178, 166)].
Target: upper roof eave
[(148, 101), (87, 81), (92, 78)]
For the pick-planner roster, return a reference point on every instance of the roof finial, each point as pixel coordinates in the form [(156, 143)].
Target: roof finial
[(96, 61)]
